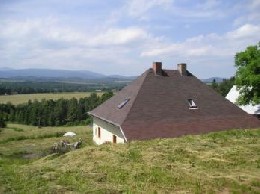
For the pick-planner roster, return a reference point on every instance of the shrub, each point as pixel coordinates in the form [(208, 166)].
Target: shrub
[(2, 122)]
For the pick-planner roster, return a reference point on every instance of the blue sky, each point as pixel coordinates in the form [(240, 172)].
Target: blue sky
[(125, 36)]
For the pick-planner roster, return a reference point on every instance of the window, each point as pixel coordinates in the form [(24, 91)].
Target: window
[(114, 138), (122, 104), (99, 134), (192, 104)]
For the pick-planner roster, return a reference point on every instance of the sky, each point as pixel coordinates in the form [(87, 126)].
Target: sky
[(124, 37)]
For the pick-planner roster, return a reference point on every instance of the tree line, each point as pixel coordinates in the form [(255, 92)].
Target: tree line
[(30, 87), (52, 112)]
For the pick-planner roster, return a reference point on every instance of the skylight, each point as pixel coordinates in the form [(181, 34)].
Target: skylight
[(122, 104), (192, 104)]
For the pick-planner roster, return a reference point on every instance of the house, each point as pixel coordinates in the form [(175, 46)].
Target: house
[(233, 95), (164, 104)]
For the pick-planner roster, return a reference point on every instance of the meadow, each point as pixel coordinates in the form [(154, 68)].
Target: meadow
[(23, 98), (221, 162)]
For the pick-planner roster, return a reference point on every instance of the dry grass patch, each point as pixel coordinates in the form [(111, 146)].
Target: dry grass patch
[(23, 98)]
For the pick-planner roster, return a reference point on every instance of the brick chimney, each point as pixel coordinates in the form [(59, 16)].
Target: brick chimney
[(157, 68), (182, 69)]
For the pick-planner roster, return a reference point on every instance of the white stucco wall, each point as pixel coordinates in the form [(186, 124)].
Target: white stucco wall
[(233, 95), (107, 130)]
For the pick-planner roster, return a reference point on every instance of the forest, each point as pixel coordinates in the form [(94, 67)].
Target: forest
[(52, 112), (9, 87)]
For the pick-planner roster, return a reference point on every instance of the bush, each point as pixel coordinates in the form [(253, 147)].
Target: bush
[(2, 122)]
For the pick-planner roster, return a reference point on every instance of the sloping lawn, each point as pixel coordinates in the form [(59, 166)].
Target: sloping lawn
[(223, 162)]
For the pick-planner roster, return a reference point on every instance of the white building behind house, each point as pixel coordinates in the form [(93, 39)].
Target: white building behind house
[(233, 95)]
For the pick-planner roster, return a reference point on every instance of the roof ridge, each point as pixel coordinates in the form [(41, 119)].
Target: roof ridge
[(140, 86)]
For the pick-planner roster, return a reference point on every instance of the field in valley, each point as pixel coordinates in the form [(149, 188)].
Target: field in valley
[(223, 162), (23, 98)]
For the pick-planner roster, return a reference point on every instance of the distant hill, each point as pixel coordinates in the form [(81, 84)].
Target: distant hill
[(5, 68), (121, 77), (57, 75), (209, 80), (48, 73), (54, 75)]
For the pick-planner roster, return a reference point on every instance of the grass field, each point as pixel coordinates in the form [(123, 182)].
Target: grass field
[(224, 162), (23, 98), (29, 140)]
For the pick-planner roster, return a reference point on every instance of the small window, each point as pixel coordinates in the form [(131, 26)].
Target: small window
[(114, 138), (122, 104), (192, 104), (99, 132)]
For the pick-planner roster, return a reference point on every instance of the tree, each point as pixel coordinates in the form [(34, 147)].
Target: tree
[(106, 96), (72, 110), (248, 75), (226, 85), (214, 85)]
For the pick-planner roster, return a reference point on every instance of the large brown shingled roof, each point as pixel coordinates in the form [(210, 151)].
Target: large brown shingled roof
[(159, 108)]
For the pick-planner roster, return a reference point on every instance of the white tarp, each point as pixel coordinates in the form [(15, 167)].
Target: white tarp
[(69, 134), (233, 95)]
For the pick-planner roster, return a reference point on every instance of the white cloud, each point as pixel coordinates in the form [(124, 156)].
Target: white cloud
[(124, 35), (143, 9), (13, 28), (211, 45), (208, 10), (137, 8), (245, 31), (249, 12), (182, 49), (209, 4), (120, 36), (47, 43), (50, 30), (254, 4)]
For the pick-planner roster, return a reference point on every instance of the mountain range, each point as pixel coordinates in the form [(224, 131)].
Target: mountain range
[(48, 73), (210, 80), (43, 74)]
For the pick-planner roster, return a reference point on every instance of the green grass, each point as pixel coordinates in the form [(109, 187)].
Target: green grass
[(33, 140), (223, 162), (23, 98)]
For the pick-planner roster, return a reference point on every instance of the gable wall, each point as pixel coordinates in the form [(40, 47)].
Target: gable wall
[(107, 130)]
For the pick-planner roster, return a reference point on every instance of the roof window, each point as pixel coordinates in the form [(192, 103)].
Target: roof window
[(192, 104), (122, 104)]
